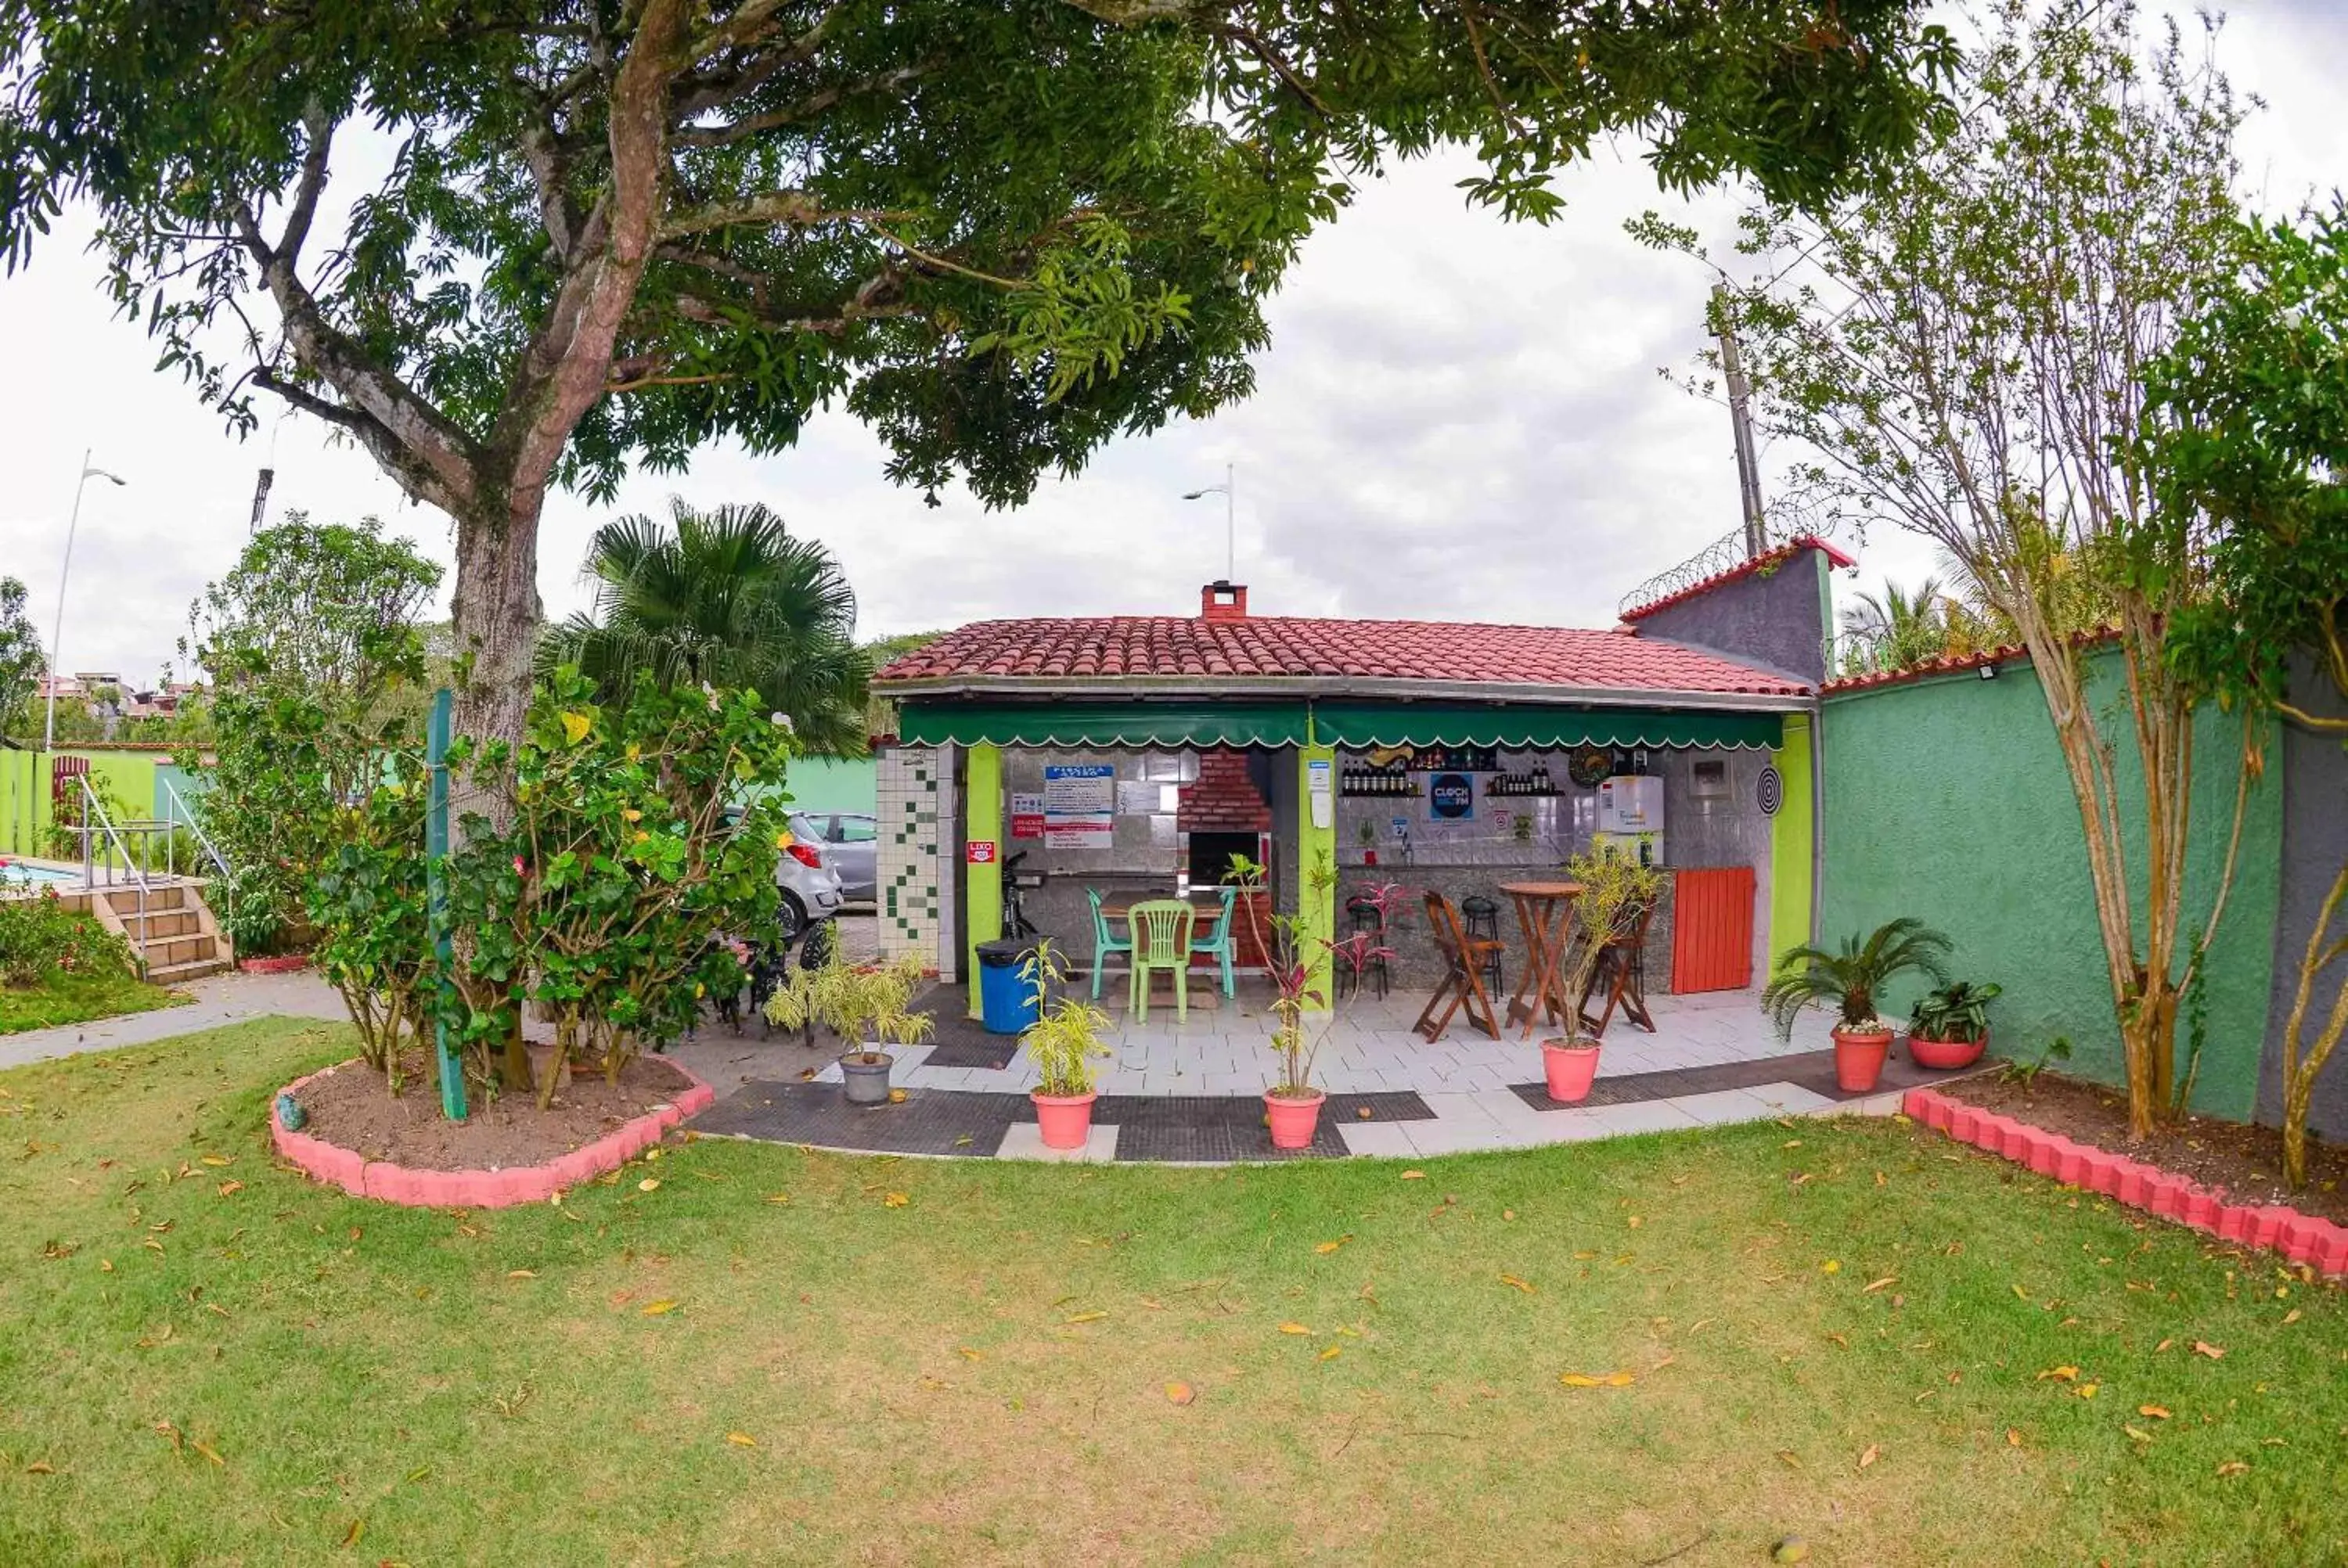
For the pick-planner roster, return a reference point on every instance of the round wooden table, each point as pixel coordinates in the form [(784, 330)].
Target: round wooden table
[(1545, 910)]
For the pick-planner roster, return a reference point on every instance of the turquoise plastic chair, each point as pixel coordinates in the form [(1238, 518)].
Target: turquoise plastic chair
[(1104, 941), (1216, 941), (1162, 944)]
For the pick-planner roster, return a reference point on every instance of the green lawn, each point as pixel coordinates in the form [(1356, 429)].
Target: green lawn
[(1839, 1330), (77, 999)]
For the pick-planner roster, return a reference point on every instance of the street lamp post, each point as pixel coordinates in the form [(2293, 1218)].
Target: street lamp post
[(58, 631), (1229, 490)]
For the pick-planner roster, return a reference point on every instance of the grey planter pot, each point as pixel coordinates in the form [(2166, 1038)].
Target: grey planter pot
[(867, 1082)]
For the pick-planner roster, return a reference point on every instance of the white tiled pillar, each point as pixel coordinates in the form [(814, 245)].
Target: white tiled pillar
[(916, 811)]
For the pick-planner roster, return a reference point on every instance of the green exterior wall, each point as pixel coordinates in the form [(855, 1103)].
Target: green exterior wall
[(1793, 839), (1316, 845), (25, 790), (834, 783), (1948, 800), (982, 879)]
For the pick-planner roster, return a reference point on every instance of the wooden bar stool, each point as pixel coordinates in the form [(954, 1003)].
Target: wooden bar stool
[(1463, 974)]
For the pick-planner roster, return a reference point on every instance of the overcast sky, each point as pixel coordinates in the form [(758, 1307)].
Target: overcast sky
[(1457, 419)]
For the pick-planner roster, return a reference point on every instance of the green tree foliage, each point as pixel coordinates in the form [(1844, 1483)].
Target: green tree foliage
[(728, 598), (22, 662), (1960, 349), (623, 866), (1000, 235), (2248, 428), (312, 648), (367, 899)]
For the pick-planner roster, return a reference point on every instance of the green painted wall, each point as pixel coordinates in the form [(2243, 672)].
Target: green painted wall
[(983, 879), (1792, 840), (835, 784), (1947, 799), (25, 790)]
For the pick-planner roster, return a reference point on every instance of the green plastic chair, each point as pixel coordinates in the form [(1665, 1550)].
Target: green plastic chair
[(1215, 942), (1162, 944), (1105, 941)]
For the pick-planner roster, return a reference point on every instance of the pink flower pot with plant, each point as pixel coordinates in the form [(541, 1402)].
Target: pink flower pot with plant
[(1849, 978)]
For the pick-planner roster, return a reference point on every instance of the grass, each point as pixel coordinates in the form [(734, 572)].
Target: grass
[(1839, 1330), (66, 998)]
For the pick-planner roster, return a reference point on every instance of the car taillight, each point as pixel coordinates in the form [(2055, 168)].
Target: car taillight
[(807, 855)]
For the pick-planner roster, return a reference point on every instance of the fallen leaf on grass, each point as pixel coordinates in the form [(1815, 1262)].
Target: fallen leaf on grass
[(2138, 1433), (351, 1537), (1326, 1248), (649, 1184), (2086, 1390), (2066, 1374), (778, 1197), (2203, 1347), (1414, 1176), (1608, 1380), (895, 1200), (742, 1440), (2162, 1346), (966, 1353), (1332, 1352), (2013, 1437), (1831, 1265), (1093, 1316), (1513, 1283), (209, 1452), (1181, 1393), (40, 1467), (1874, 1451), (1879, 1284), (2155, 1411), (218, 1160), (1789, 1456), (656, 1308), (2234, 1467), (2290, 1316), (522, 1274), (1294, 1329), (2021, 1293)]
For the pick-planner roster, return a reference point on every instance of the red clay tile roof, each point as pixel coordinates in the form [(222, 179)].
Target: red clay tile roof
[(1765, 561), (1951, 664), (1166, 646)]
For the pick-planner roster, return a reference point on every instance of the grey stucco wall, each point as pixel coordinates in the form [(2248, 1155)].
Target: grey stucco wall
[(1773, 618), (2314, 846)]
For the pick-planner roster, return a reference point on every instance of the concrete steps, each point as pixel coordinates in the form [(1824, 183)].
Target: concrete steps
[(170, 929)]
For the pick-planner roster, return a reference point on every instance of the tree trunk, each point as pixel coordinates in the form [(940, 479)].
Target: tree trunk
[(496, 617)]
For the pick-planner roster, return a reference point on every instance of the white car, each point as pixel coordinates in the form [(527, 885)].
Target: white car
[(808, 879)]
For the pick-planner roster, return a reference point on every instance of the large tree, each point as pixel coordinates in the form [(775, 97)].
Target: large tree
[(729, 599), (2248, 427), (608, 230), (22, 662), (1962, 351)]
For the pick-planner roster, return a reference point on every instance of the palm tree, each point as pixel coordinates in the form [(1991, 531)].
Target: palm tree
[(1896, 629), (728, 598)]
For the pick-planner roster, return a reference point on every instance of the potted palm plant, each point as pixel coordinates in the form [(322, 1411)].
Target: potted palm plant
[(1063, 1042), (868, 1006), (1850, 979), (1613, 889), (1949, 1027)]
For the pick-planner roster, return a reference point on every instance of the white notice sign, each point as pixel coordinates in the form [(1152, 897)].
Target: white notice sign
[(1079, 805)]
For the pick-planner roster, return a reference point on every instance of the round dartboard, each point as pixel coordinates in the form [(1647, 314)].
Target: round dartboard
[(1769, 792)]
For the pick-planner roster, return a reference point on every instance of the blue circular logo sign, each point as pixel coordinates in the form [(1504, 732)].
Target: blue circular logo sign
[(1451, 796)]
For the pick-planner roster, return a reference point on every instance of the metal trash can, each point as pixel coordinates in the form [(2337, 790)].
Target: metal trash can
[(1007, 998)]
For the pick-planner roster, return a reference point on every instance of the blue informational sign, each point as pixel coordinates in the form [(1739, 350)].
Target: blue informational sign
[(1451, 797)]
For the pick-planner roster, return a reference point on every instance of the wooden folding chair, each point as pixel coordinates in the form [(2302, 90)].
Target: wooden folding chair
[(1621, 974), (1464, 957)]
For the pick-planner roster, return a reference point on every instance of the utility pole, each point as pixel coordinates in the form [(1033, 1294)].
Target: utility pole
[(1740, 415)]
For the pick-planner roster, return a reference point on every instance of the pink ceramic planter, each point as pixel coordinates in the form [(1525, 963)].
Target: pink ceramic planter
[(502, 1189), (2301, 1238)]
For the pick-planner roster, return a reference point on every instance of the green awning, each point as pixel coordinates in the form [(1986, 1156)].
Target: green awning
[(1074, 725), (1526, 728)]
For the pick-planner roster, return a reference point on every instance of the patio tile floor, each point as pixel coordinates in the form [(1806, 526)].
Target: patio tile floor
[(1190, 1093)]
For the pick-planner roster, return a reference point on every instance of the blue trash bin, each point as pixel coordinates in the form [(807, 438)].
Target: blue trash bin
[(1007, 998)]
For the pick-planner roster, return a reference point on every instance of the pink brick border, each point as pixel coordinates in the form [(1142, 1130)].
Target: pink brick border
[(288, 964), (365, 1178), (2301, 1238)]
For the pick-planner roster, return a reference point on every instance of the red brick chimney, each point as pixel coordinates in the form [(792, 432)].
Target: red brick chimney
[(1224, 800), (1220, 600)]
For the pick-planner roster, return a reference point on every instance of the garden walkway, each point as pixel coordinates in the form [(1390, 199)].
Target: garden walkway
[(219, 1000)]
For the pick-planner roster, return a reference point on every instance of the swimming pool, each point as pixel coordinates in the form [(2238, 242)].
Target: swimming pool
[(20, 874)]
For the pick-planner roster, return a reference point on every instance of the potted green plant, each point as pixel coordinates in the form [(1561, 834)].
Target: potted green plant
[(1949, 1027), (868, 1006), (1613, 890), (1849, 979), (1292, 1107), (1063, 1042)]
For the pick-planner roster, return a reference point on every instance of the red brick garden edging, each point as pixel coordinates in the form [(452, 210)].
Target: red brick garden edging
[(365, 1178), (2301, 1238)]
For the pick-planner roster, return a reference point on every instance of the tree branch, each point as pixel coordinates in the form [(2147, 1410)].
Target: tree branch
[(795, 208), (889, 81), (312, 180)]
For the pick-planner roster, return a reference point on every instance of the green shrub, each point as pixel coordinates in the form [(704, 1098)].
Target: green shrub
[(39, 936)]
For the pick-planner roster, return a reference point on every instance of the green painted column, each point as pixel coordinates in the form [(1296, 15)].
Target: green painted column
[(1793, 837), (982, 854), (1316, 861)]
